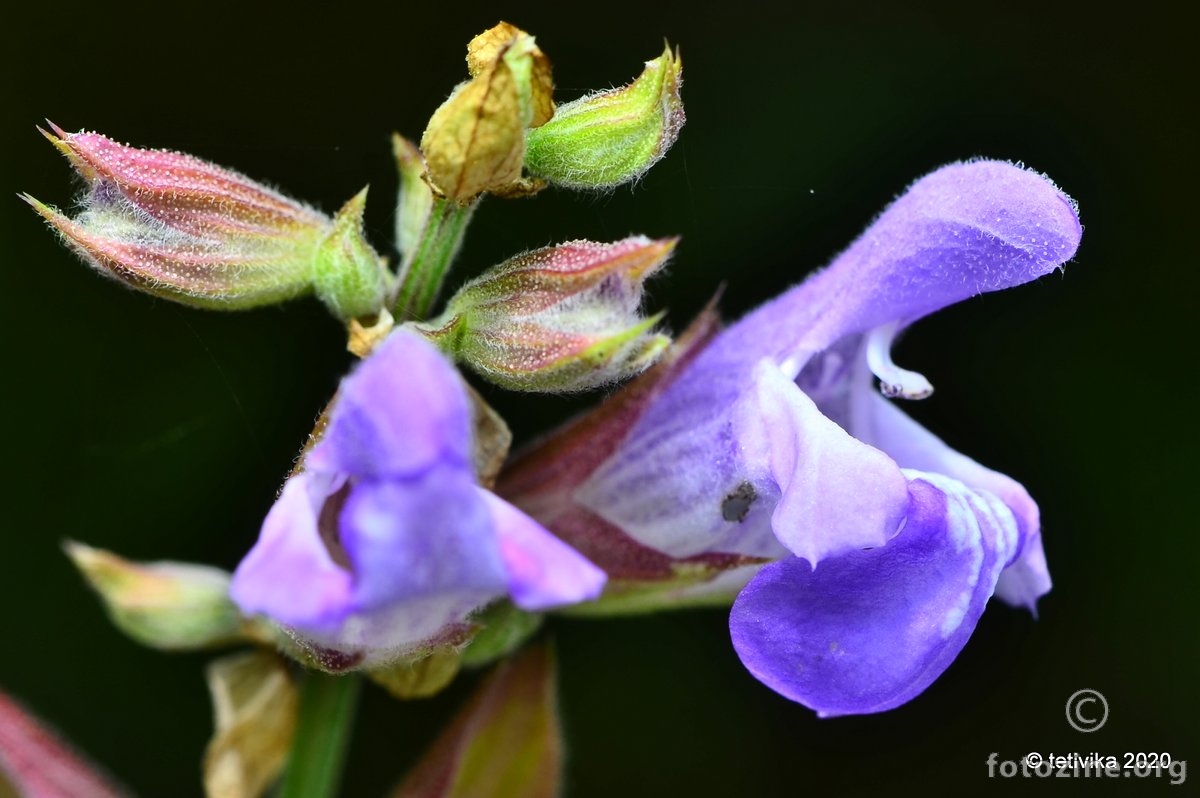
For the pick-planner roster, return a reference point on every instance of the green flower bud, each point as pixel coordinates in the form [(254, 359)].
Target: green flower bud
[(557, 319), (506, 741), (612, 137), (165, 605), (415, 200), (348, 275), (505, 628), (419, 678)]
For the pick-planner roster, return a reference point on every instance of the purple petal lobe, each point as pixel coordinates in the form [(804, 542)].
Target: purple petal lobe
[(289, 574), (543, 572), (1026, 578), (402, 410), (430, 535), (837, 494), (870, 630), (423, 558)]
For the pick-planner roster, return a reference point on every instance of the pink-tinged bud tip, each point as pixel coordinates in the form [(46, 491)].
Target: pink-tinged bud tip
[(182, 191), (179, 227), (558, 319)]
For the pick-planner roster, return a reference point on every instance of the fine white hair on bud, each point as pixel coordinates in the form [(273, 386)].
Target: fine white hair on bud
[(558, 319)]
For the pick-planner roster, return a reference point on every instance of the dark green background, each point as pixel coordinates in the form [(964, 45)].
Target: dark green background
[(164, 432)]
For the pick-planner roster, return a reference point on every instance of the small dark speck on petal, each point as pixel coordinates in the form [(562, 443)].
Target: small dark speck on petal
[(737, 504)]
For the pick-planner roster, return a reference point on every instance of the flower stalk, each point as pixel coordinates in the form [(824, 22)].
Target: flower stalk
[(327, 708), (424, 270)]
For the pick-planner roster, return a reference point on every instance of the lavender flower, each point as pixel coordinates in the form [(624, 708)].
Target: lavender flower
[(384, 543), (772, 443)]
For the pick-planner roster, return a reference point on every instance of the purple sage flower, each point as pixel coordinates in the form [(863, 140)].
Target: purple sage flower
[(772, 442), (385, 543)]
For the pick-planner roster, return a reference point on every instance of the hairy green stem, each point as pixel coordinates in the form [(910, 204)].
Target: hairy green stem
[(327, 705), (424, 271)]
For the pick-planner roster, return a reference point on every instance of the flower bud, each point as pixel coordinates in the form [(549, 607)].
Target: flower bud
[(419, 677), (164, 605), (415, 199), (255, 709), (504, 627), (562, 318), (348, 276), (181, 228), (35, 761), (506, 741), (475, 141), (611, 137)]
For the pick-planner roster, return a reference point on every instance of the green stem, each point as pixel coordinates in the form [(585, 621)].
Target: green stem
[(422, 274), (327, 705)]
